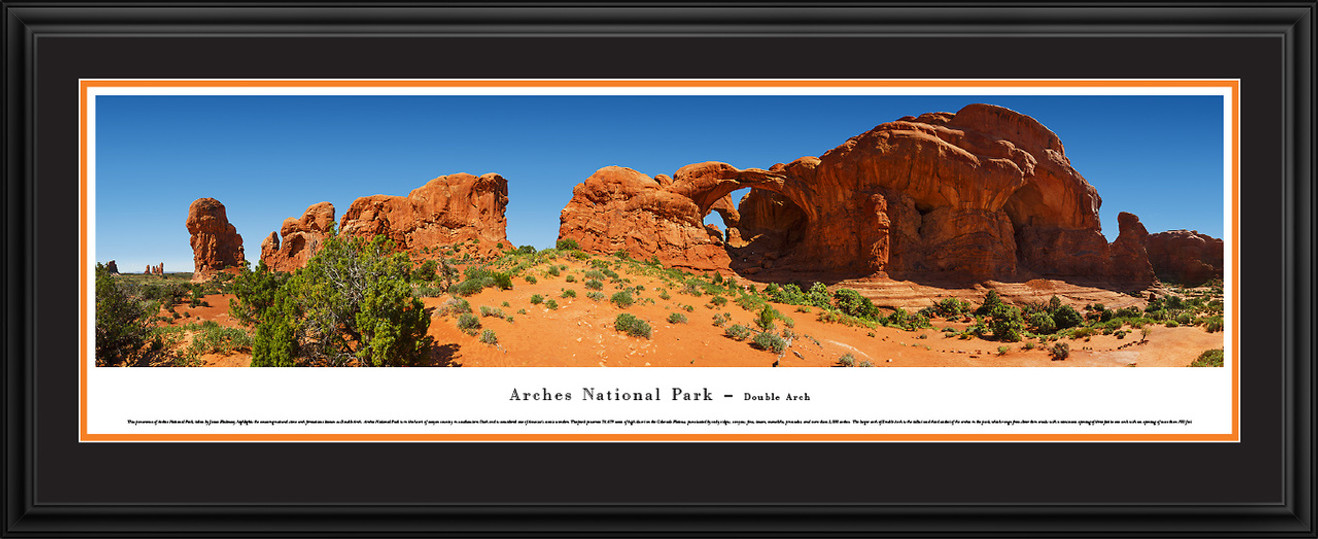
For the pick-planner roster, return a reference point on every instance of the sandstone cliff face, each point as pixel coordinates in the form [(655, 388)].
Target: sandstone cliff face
[(983, 193), (1185, 256), (460, 210), (301, 238), (216, 245)]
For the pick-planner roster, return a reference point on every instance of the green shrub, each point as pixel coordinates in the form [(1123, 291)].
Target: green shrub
[(425, 272), (720, 319), (530, 279), (1006, 323), (991, 301), (766, 317), (352, 302), (1002, 350), (566, 245), (718, 301), (488, 337), (502, 280), (552, 304), (950, 307), (593, 284), (631, 325), (596, 296), (769, 341), (123, 324), (865, 363), (852, 303), (468, 287), (1210, 358), (847, 360), (254, 292), (622, 299), (1066, 317), (1060, 351), (468, 323), (537, 299), (570, 278), (676, 318), (1042, 322), (569, 293), (738, 332), (490, 311), (1213, 324)]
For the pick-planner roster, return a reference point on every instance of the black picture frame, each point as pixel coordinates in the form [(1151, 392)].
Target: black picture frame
[(1262, 486)]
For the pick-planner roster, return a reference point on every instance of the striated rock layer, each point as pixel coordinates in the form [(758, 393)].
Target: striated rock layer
[(301, 238), (983, 193), (1185, 256), (216, 245)]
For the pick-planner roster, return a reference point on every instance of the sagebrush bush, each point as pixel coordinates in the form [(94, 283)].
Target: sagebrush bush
[(676, 318), (593, 284), (847, 360), (530, 279), (537, 299), (770, 341), (738, 332), (622, 299), (570, 278), (569, 293), (1060, 351), (488, 337), (468, 323), (631, 325)]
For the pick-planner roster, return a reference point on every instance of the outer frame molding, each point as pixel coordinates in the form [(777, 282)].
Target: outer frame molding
[(28, 23)]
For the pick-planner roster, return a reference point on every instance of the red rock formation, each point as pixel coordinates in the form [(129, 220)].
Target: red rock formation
[(1185, 256), (301, 238), (460, 210), (983, 193), (112, 268), (216, 245), (1128, 258)]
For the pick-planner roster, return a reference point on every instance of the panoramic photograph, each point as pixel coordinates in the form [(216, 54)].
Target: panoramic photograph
[(659, 231)]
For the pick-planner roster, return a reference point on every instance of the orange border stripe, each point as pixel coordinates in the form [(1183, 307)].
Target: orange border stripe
[(1234, 85)]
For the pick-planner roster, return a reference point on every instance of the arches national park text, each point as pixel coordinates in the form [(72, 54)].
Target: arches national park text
[(656, 394)]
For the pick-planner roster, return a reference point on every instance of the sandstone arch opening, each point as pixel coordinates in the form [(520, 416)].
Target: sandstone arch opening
[(760, 227)]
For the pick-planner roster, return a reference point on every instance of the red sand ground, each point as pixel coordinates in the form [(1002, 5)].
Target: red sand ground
[(580, 333)]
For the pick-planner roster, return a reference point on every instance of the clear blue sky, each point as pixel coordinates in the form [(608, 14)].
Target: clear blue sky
[(268, 158)]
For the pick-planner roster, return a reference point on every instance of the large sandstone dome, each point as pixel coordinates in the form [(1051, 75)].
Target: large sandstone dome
[(985, 193)]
